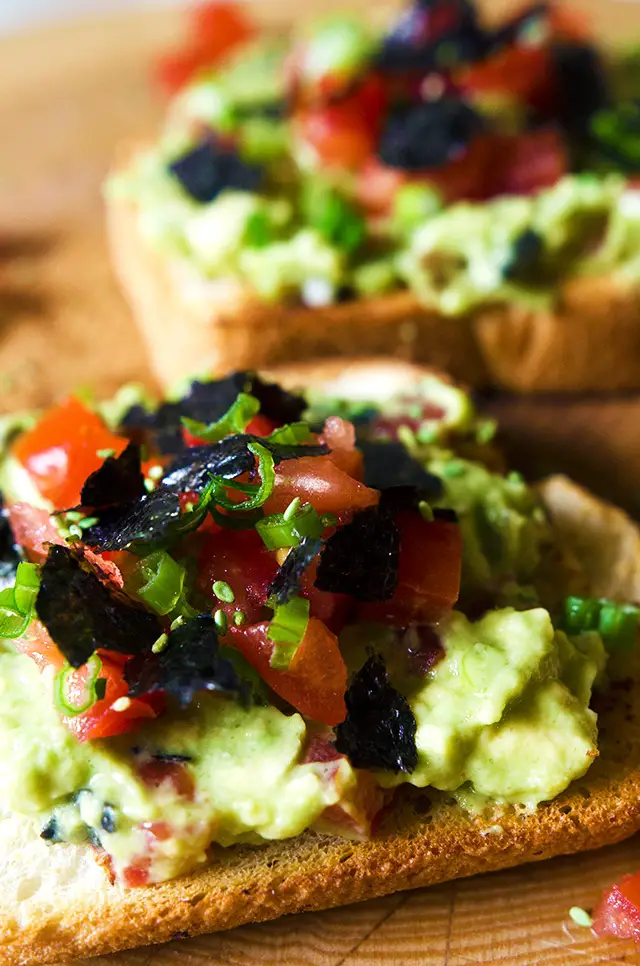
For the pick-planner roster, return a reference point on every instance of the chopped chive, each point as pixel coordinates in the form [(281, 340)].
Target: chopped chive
[(105, 454), (239, 618), (453, 468), (75, 531), (148, 485), (176, 623), (73, 516), (223, 592), (155, 472), (425, 510), (292, 509), (87, 522), (159, 645), (221, 621)]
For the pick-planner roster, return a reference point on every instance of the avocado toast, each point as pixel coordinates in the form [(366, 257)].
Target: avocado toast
[(59, 901), (459, 190)]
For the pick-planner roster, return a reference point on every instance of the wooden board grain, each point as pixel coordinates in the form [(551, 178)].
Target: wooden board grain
[(66, 96)]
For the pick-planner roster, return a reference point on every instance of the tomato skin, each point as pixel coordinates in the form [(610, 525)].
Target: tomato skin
[(332, 609), (317, 480), (340, 436), (618, 912), (62, 449), (531, 161), (428, 574), (517, 73), (155, 773), (214, 30), (37, 643), (316, 679), (344, 133), (34, 530), (240, 558)]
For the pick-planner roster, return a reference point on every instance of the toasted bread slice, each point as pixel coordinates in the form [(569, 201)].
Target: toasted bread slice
[(58, 903), (590, 341)]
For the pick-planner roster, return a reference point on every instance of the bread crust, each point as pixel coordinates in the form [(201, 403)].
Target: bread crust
[(424, 839), (589, 341)]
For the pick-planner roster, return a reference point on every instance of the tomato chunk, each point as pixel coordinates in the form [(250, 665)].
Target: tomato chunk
[(340, 436), (240, 559), (531, 161), (62, 450), (428, 574), (618, 912), (317, 480), (316, 679)]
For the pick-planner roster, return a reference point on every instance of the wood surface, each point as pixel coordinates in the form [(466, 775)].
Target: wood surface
[(67, 95)]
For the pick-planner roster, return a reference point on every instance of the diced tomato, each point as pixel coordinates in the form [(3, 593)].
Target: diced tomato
[(37, 643), (360, 800), (428, 575), (317, 480), (344, 133), (101, 720), (136, 876), (62, 450), (241, 560), (530, 161), (618, 912), (516, 73), (332, 609), (316, 679), (214, 31), (155, 773), (34, 530), (261, 425), (340, 436)]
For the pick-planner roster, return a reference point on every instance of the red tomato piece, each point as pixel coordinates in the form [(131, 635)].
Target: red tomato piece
[(261, 425), (316, 679), (360, 802), (530, 161), (428, 574), (157, 772), (340, 436), (101, 720), (344, 133), (332, 609), (136, 876), (33, 529), (517, 73), (37, 643), (618, 912), (241, 560), (62, 450), (317, 480)]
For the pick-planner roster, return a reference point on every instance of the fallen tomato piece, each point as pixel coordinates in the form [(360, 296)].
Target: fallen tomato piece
[(618, 912)]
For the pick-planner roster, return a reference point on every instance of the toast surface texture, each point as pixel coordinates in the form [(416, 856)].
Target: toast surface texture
[(589, 341), (57, 902)]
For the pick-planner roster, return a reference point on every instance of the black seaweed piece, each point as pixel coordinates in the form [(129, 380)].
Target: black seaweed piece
[(210, 168), (390, 464), (524, 262), (361, 558), (417, 43), (10, 552), (428, 134), (81, 614), (206, 402), (380, 728), (119, 480), (50, 831), (581, 84), (108, 820), (190, 662), (286, 582), (165, 756), (150, 520), (445, 513)]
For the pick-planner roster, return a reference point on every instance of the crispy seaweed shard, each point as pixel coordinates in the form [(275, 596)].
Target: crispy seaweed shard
[(286, 582), (361, 558), (119, 480), (10, 554), (150, 520), (231, 457), (275, 402), (160, 429), (390, 464), (192, 661), (380, 728), (82, 614)]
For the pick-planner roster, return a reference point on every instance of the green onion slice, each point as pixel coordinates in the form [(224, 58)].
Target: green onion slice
[(257, 494), (291, 434), (17, 603), (287, 629), (77, 704), (279, 531), (235, 420), (616, 623), (163, 581)]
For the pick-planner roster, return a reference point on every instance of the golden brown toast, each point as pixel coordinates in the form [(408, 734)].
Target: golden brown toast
[(590, 341), (58, 903)]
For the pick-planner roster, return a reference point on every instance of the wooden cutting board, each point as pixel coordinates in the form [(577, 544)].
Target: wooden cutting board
[(67, 95)]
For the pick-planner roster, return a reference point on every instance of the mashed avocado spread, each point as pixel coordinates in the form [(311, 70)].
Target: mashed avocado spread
[(501, 708)]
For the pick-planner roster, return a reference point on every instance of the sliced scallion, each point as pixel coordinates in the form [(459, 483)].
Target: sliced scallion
[(74, 704), (291, 435), (287, 629), (235, 420), (257, 494), (163, 581)]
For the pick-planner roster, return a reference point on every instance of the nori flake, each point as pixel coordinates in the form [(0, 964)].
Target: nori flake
[(389, 464), (380, 728), (209, 168), (428, 134), (361, 558), (150, 520), (119, 480), (81, 614), (192, 661), (286, 582), (10, 553)]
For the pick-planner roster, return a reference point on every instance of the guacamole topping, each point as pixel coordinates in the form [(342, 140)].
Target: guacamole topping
[(180, 670), (431, 170)]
